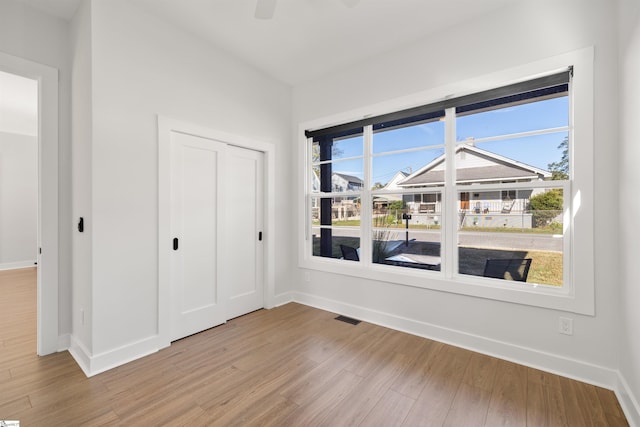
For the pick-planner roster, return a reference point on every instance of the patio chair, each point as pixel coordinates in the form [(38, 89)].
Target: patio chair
[(508, 269), (507, 206), (349, 253)]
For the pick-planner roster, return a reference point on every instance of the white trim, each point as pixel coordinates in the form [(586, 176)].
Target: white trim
[(47, 287), (94, 364), (628, 401), (165, 127), (282, 299), (571, 368), (81, 355), (17, 264), (574, 298)]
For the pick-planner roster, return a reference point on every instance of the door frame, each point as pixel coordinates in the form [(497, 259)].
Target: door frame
[(47, 256), (165, 127)]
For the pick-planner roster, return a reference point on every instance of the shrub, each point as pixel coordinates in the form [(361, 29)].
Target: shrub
[(546, 206)]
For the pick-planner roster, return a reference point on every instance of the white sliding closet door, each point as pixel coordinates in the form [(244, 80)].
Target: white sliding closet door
[(244, 213), (216, 220), (197, 291)]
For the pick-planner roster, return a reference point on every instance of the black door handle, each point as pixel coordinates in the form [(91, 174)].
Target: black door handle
[(260, 236), (175, 243)]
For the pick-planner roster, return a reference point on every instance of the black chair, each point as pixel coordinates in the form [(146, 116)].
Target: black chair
[(349, 253), (508, 269)]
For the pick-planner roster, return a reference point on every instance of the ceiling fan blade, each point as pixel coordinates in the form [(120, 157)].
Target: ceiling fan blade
[(350, 3), (265, 9)]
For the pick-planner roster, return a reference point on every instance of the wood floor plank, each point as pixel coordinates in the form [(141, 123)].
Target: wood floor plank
[(413, 379), (588, 399), (435, 400), (391, 410), (9, 409), (290, 366), (481, 371), (609, 402), (509, 396), (545, 403), (319, 410), (355, 407), (469, 407), (267, 388), (304, 388)]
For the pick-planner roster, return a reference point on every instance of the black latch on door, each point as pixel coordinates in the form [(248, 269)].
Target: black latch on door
[(260, 236), (175, 243)]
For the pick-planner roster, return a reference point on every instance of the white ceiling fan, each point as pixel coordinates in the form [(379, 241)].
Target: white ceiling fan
[(266, 8)]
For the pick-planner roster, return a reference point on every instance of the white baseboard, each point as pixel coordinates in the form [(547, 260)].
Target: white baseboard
[(94, 364), (628, 402), (567, 367), (282, 299), (17, 264), (81, 355)]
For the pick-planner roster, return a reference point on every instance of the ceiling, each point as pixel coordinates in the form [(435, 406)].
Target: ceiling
[(306, 38)]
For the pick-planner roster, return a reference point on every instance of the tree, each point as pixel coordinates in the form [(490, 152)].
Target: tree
[(560, 170), (546, 206), (336, 151)]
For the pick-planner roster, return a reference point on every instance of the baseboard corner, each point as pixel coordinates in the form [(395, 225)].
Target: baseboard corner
[(628, 402)]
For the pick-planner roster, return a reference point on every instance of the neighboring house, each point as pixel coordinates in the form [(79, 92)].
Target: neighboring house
[(342, 182), (342, 208), (393, 182), (339, 182), (382, 201), (474, 165)]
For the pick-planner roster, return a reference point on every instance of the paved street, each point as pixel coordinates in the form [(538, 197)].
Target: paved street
[(516, 241)]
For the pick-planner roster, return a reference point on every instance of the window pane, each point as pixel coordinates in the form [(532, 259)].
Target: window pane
[(414, 136), (392, 170), (336, 243), (403, 236), (532, 228), (347, 176), (337, 177), (336, 149), (533, 158), (546, 114), (336, 212)]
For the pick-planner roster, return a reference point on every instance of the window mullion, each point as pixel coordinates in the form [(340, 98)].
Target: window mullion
[(449, 253), (366, 201)]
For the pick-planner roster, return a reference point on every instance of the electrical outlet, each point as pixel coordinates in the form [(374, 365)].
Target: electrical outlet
[(565, 326), (307, 276)]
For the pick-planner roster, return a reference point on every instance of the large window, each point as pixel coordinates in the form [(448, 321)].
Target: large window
[(468, 191)]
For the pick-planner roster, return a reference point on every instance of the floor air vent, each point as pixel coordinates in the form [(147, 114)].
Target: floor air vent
[(347, 320)]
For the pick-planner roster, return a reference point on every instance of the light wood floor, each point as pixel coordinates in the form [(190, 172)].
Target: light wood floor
[(290, 366)]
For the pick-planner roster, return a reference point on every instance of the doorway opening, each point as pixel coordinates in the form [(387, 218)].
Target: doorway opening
[(19, 189), (18, 171), (45, 166)]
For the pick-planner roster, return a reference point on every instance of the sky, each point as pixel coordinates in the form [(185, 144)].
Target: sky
[(538, 150)]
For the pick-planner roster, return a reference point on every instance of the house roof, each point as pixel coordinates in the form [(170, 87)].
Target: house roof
[(349, 178), (502, 169), (398, 177)]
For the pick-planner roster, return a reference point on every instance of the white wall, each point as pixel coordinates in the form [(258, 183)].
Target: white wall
[(141, 68), (525, 32), (629, 207), (18, 200), (32, 35)]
